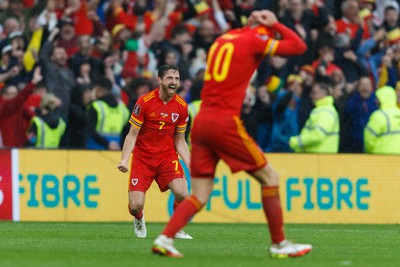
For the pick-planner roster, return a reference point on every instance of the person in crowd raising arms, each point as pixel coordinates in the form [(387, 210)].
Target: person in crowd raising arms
[(231, 62), (156, 137)]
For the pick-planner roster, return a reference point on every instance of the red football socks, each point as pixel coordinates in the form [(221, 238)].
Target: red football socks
[(176, 203), (273, 211), (182, 215), (138, 215)]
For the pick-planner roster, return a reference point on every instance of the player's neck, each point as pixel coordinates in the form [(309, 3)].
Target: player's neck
[(164, 98)]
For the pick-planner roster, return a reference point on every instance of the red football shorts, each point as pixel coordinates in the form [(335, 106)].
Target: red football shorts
[(217, 137), (163, 170)]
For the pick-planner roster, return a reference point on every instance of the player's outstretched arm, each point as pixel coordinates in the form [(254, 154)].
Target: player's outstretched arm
[(129, 144)]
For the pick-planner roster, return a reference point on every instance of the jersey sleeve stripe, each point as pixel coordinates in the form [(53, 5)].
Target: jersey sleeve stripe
[(274, 47), (135, 122), (270, 48), (181, 129), (149, 96)]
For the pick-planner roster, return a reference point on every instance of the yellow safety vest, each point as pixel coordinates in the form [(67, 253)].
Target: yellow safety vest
[(110, 120), (48, 137)]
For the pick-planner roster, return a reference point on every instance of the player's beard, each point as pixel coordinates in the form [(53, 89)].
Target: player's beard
[(169, 92)]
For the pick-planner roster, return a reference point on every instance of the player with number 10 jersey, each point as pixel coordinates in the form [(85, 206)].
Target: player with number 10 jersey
[(231, 62)]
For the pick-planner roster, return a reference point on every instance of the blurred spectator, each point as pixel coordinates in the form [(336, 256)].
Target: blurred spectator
[(263, 111), (67, 38), (59, 79), (47, 128), (347, 59), (350, 23), (106, 118), (358, 109), (321, 131), (16, 11), (76, 132), (11, 24), (370, 53), (306, 23), (382, 133), (381, 5), (307, 73), (13, 114), (324, 65), (285, 111), (390, 68), (84, 55), (391, 25), (204, 35)]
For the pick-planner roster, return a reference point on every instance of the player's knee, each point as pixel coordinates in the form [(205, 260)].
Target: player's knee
[(180, 196), (135, 207)]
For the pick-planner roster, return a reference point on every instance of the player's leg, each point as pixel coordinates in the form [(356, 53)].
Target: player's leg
[(201, 191), (281, 248), (241, 152), (203, 164), (136, 204), (180, 190), (139, 183)]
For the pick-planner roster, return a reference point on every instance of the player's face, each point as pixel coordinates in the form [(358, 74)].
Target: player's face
[(170, 82)]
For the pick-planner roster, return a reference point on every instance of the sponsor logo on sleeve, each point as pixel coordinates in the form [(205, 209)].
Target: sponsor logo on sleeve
[(135, 181), (137, 109)]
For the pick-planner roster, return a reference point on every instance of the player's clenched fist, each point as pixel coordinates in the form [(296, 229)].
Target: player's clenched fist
[(264, 17), (122, 167)]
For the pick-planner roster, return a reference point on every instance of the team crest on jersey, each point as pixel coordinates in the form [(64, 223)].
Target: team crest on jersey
[(135, 181), (164, 115), (174, 117), (263, 37), (137, 109)]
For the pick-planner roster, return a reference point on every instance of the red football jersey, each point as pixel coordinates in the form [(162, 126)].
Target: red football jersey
[(226, 81), (158, 123)]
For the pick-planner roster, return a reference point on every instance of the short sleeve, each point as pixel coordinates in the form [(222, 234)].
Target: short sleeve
[(138, 112)]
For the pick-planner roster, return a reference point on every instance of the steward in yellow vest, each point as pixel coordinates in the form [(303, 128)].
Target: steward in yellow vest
[(106, 118), (382, 133), (321, 131), (46, 128)]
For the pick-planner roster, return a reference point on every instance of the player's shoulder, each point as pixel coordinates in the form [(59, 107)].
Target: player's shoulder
[(181, 101), (149, 96)]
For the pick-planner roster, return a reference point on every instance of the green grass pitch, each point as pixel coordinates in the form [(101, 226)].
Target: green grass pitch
[(114, 244)]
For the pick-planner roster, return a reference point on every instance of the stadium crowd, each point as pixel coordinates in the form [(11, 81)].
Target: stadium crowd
[(71, 70)]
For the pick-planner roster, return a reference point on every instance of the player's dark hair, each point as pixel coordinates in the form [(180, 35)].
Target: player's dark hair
[(104, 83), (164, 68)]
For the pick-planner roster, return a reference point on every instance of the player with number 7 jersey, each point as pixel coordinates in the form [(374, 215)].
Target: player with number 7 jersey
[(156, 137)]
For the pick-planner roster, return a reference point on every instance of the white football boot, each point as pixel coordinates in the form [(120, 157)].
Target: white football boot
[(287, 249), (140, 227), (182, 235), (164, 246)]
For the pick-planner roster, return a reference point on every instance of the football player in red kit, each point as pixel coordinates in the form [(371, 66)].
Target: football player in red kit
[(231, 62), (156, 137)]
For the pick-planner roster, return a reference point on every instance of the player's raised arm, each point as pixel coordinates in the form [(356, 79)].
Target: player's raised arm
[(290, 44)]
